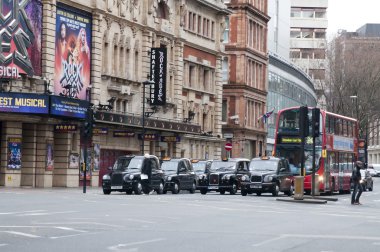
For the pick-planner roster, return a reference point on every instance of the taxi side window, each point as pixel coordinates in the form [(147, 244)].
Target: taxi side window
[(182, 166), (153, 163)]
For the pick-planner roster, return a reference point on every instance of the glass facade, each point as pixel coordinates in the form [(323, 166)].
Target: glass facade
[(288, 86)]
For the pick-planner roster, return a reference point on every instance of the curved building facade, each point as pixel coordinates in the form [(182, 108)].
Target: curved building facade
[(288, 86)]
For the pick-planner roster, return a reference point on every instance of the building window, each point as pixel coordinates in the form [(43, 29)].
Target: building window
[(225, 70), (226, 32), (163, 10), (224, 111), (295, 12)]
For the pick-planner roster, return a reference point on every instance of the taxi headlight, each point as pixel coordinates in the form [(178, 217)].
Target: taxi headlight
[(169, 178), (226, 177), (244, 178), (106, 177), (361, 181), (268, 179), (131, 177), (201, 176)]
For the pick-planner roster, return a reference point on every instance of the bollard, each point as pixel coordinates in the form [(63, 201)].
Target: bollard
[(316, 185), (298, 187)]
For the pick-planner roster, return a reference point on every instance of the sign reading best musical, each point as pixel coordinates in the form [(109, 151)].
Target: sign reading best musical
[(158, 60), (21, 27), (24, 103)]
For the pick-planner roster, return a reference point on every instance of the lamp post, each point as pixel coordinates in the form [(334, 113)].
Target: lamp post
[(356, 106), (147, 82)]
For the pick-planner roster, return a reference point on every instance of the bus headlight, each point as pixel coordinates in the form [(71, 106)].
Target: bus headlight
[(268, 179), (106, 177), (320, 179)]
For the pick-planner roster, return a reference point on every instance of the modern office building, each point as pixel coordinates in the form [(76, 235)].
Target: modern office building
[(308, 41), (288, 84)]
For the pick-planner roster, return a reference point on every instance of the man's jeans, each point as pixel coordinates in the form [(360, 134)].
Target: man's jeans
[(357, 186)]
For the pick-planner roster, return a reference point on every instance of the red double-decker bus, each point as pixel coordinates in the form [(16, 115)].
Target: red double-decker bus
[(336, 148)]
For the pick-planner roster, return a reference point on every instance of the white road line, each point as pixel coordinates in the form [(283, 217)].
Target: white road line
[(21, 234), (3, 244), (142, 221), (46, 213), (80, 222), (117, 247), (269, 240), (71, 229), (32, 211)]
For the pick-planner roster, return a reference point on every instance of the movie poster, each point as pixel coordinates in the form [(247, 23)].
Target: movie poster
[(21, 30), (14, 153), (72, 52), (49, 157)]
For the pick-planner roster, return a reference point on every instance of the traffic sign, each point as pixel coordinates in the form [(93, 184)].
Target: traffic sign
[(228, 146)]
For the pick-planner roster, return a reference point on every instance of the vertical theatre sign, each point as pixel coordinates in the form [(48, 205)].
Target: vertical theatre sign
[(72, 52), (20, 38), (158, 75)]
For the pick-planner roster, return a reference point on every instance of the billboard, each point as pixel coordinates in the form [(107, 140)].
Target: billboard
[(62, 106), (21, 28), (158, 59), (72, 52), (24, 103)]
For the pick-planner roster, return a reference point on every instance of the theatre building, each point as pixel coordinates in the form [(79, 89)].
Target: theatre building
[(83, 82)]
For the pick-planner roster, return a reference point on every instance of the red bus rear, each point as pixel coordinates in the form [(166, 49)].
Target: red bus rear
[(336, 148)]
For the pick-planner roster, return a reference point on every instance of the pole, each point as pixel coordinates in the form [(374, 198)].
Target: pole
[(313, 167), (143, 122)]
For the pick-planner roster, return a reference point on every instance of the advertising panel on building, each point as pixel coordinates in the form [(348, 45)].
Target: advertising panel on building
[(72, 52), (24, 103), (21, 30), (158, 61)]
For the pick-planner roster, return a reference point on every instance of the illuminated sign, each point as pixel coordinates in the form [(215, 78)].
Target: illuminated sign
[(65, 127), (149, 137), (291, 140), (24, 103), (170, 139), (63, 106), (100, 131), (20, 26), (123, 133)]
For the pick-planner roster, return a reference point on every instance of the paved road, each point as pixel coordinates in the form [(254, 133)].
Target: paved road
[(68, 220)]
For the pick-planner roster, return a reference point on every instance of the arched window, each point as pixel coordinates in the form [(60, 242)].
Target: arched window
[(163, 10)]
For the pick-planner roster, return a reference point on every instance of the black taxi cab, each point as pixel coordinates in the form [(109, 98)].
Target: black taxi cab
[(125, 175), (179, 175), (201, 167), (268, 175), (224, 175)]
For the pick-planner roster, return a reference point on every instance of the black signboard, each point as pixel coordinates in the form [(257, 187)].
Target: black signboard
[(158, 61)]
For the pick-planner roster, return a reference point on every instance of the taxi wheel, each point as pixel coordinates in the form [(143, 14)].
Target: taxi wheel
[(105, 191), (222, 192), (138, 188), (164, 192), (275, 191), (175, 188), (160, 189), (291, 191), (193, 187), (244, 193), (129, 192), (203, 191), (258, 193), (234, 189)]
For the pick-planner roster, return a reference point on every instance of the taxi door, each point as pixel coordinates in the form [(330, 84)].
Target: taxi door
[(284, 175)]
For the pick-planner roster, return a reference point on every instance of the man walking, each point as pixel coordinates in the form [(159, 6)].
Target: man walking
[(146, 174), (356, 177)]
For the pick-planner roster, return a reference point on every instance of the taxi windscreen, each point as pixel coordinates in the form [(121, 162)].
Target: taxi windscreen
[(169, 165), (263, 165), (123, 164), (222, 166)]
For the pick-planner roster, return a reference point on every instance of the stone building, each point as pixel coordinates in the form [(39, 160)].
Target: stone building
[(245, 88), (97, 56)]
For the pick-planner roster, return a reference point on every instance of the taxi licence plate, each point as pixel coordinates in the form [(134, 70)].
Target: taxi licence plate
[(116, 187), (213, 187), (255, 186)]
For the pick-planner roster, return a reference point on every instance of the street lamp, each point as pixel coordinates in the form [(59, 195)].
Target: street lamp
[(147, 82), (356, 105), (361, 131)]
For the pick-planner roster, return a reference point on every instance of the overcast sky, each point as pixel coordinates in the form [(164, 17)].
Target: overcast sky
[(351, 14)]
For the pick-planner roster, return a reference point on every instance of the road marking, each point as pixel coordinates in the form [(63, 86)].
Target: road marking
[(47, 213), (341, 237), (22, 234), (141, 221), (117, 247), (71, 229), (32, 211), (3, 244)]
